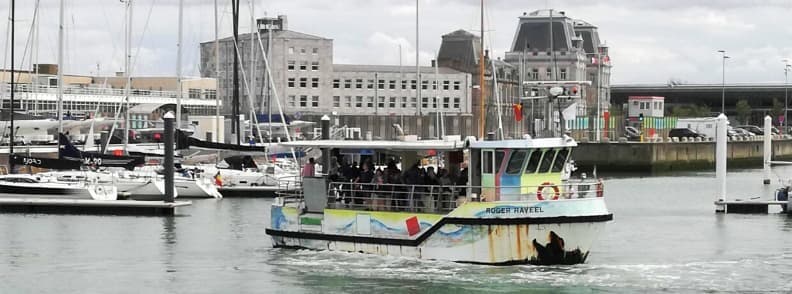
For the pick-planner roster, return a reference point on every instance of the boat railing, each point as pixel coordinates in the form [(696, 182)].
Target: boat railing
[(290, 182), (444, 198)]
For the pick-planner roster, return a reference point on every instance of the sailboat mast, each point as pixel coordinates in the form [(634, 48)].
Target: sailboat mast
[(60, 71), (127, 64), (417, 62), (179, 46), (235, 104), (11, 137), (217, 73), (482, 114), (252, 58)]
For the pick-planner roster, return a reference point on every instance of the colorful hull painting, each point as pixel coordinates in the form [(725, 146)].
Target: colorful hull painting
[(540, 232)]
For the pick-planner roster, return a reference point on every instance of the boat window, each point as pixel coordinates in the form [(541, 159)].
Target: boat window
[(560, 160), (486, 162), (533, 161), (547, 161), (516, 162), (499, 155)]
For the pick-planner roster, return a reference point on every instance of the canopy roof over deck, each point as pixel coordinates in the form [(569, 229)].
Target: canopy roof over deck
[(525, 143), (437, 145)]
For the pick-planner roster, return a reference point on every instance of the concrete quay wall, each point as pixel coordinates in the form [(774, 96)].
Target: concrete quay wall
[(673, 156)]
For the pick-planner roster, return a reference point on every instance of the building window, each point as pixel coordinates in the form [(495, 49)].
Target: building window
[(403, 84), (336, 83), (358, 101), (434, 102), (534, 74), (563, 74), (381, 102), (413, 102), (303, 65), (392, 84), (456, 102), (348, 101), (446, 85), (315, 65), (303, 100), (445, 102), (424, 85), (194, 93), (347, 84), (549, 74), (336, 101), (359, 84), (370, 101), (291, 50), (392, 102), (290, 83), (370, 84), (315, 101), (425, 102), (434, 85), (413, 84), (404, 102), (302, 50), (210, 94), (291, 101), (314, 83), (315, 51), (303, 82), (456, 85), (381, 84), (291, 64)]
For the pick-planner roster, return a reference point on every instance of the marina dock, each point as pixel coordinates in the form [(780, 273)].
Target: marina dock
[(80, 206)]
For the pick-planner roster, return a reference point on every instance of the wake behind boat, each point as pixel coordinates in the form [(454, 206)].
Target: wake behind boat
[(518, 208)]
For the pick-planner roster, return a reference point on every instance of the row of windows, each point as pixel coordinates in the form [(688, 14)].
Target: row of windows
[(303, 83), (533, 161), (303, 50), (393, 84), (303, 102), (394, 102), (291, 65), (533, 74), (657, 105)]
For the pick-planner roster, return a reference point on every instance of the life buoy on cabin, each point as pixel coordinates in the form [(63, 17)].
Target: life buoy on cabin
[(544, 185), (599, 188), (99, 190)]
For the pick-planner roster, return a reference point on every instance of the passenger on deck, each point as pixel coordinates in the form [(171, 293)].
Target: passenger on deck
[(364, 186), (412, 177), (309, 168)]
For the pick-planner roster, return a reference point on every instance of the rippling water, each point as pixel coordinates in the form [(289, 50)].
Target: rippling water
[(665, 238)]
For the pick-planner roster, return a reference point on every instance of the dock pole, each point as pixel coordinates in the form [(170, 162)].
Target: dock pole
[(325, 123), (768, 151), (169, 118), (720, 162)]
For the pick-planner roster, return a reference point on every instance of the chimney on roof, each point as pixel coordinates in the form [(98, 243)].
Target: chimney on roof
[(284, 22)]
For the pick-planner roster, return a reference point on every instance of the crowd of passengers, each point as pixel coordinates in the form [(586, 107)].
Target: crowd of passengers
[(390, 188)]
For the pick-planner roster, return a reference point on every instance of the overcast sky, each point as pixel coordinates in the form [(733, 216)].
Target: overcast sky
[(650, 41)]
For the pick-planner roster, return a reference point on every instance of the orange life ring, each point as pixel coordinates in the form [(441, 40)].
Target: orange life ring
[(599, 188), (541, 187)]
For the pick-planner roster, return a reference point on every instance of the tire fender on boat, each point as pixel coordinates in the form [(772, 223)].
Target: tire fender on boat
[(599, 188), (556, 192)]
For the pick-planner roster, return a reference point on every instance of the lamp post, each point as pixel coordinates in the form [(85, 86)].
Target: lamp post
[(723, 81), (786, 94)]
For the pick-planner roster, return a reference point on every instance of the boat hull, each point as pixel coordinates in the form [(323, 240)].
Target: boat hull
[(464, 235)]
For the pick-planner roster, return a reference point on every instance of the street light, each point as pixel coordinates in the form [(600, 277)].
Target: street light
[(786, 96), (723, 82)]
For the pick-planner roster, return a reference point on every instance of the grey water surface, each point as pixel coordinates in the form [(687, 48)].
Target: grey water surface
[(665, 238)]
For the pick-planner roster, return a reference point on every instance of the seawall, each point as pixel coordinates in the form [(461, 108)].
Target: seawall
[(673, 156)]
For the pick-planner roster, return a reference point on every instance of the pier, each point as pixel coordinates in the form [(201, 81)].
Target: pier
[(80, 206)]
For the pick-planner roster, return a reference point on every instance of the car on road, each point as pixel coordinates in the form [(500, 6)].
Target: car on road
[(753, 129), (632, 133), (684, 133), (741, 132)]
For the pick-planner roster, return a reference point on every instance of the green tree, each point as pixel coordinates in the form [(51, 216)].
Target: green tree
[(691, 110), (743, 111)]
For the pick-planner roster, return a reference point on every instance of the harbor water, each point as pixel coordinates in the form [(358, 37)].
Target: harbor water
[(665, 237)]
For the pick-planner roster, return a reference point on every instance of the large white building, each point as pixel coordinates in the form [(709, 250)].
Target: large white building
[(309, 85)]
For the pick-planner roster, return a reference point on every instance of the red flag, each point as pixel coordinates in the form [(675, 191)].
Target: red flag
[(518, 112)]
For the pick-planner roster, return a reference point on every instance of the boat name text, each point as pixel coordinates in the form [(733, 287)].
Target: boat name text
[(508, 210)]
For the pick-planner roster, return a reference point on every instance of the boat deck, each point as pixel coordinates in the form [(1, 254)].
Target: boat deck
[(85, 206)]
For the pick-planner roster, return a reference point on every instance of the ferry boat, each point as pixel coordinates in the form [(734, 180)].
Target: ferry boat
[(518, 207)]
